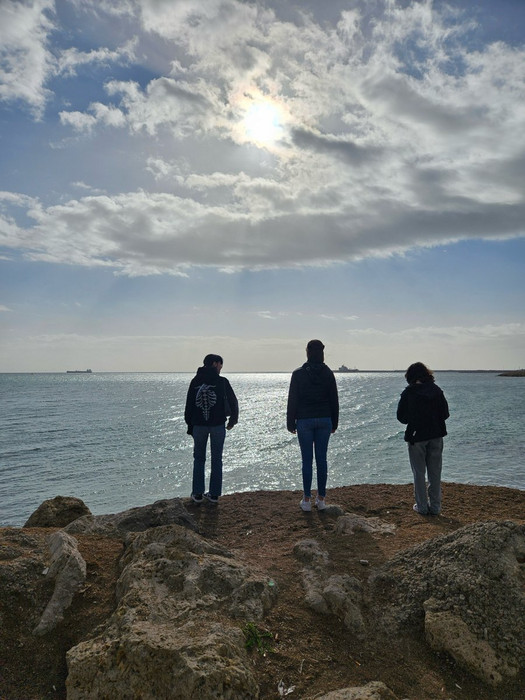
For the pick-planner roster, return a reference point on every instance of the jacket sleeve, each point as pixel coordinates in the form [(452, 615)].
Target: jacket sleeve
[(188, 409), (291, 409), (334, 403), (444, 407), (402, 409), (234, 404)]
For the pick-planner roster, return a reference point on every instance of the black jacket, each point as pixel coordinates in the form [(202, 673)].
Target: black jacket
[(424, 407), (209, 398), (312, 394)]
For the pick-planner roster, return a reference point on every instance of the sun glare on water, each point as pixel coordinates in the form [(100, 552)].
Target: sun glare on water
[(262, 123)]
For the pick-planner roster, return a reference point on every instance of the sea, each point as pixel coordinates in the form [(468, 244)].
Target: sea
[(118, 440)]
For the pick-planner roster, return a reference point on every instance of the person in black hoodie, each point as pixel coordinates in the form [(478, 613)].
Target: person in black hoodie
[(313, 414), (210, 400), (424, 408)]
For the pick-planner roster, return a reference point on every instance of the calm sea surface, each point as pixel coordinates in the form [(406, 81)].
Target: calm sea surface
[(119, 440)]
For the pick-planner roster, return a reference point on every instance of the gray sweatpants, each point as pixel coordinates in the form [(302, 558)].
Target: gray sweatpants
[(426, 458)]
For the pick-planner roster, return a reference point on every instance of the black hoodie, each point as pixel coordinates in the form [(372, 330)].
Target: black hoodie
[(209, 396), (424, 407), (312, 394)]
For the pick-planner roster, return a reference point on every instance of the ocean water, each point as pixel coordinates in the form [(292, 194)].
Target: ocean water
[(119, 440)]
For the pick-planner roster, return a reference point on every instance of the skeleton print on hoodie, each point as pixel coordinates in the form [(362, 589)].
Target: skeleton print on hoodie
[(210, 400)]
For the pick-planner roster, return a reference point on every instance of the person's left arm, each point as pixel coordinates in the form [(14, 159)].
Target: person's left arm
[(334, 403), (234, 405)]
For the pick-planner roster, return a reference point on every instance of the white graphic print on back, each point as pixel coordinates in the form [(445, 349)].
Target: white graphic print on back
[(206, 398)]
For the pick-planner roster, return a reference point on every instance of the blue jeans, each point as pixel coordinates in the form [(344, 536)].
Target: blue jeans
[(426, 457), (217, 433), (314, 434)]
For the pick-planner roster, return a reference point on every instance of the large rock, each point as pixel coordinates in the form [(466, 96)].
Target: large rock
[(351, 522), (465, 591), (68, 569), (375, 690), (172, 634), (447, 632), (58, 512), (339, 595), (166, 512)]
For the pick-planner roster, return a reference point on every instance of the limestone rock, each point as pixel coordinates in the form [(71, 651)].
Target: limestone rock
[(374, 690), (166, 512), (173, 634), (58, 512), (447, 632), (341, 596), (466, 591), (350, 523), (68, 568), (152, 660)]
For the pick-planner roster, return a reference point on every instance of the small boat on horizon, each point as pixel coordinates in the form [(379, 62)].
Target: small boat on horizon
[(344, 369), (79, 371)]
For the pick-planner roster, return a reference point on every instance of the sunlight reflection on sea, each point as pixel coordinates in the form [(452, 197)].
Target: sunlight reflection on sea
[(119, 440)]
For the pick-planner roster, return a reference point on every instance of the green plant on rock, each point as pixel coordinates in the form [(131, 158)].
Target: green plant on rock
[(257, 639)]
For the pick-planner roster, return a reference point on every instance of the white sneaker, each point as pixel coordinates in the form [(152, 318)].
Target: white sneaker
[(320, 503), (306, 505)]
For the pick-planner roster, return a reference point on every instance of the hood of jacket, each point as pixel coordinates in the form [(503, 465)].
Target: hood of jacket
[(316, 371), (425, 390), (208, 375)]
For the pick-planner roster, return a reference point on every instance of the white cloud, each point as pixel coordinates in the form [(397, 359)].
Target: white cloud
[(25, 61), (396, 133), (70, 59)]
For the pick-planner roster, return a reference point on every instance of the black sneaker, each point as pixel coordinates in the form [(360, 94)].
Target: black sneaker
[(197, 497), (211, 499)]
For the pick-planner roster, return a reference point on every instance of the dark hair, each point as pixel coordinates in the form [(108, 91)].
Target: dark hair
[(210, 359), (418, 372), (315, 351)]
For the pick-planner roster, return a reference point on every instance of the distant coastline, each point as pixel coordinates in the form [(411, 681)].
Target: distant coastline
[(500, 372)]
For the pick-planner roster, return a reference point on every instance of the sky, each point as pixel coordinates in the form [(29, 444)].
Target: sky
[(180, 177)]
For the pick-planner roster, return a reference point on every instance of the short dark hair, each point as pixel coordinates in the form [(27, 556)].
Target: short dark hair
[(209, 360), (315, 351), (418, 372)]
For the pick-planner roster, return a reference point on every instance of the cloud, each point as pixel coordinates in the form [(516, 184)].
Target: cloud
[(398, 130), (70, 59), (25, 60)]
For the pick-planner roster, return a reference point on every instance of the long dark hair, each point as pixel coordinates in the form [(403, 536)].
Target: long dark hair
[(418, 372)]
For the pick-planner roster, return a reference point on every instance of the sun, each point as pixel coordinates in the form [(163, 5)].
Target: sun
[(262, 123)]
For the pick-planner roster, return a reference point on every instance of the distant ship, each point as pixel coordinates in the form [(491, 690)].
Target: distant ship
[(345, 369), (79, 371)]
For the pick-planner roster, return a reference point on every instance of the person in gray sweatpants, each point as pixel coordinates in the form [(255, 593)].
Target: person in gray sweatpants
[(424, 409)]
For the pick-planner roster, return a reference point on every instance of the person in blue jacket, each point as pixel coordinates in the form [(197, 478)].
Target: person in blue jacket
[(424, 409), (209, 402), (313, 414)]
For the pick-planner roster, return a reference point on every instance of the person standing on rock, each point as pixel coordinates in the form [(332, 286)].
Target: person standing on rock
[(209, 402), (313, 414), (424, 409)]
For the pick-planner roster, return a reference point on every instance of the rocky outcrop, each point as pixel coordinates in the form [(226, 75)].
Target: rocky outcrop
[(339, 595), (58, 512), (465, 591), (68, 569), (371, 691), (173, 633), (182, 602), (166, 512), (350, 523)]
